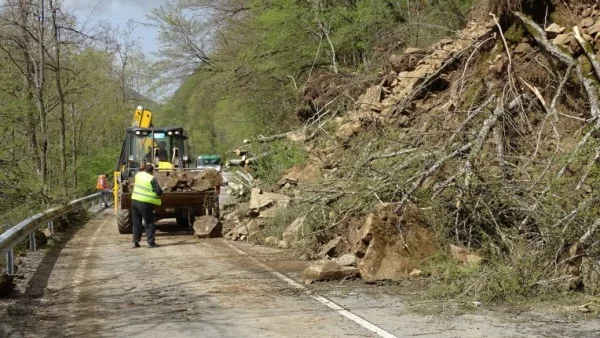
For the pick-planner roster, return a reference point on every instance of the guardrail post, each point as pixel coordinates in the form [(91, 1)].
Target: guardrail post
[(10, 262), (32, 242), (51, 227)]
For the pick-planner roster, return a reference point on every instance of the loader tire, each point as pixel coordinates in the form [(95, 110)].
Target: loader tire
[(124, 221), (183, 221)]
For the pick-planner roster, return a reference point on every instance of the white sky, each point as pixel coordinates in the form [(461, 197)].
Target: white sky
[(118, 12)]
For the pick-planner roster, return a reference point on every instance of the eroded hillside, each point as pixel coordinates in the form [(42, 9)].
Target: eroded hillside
[(480, 149)]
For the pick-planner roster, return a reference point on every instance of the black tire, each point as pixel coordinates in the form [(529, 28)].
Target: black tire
[(183, 221), (124, 223)]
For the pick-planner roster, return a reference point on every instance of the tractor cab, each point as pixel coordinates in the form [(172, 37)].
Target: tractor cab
[(166, 148)]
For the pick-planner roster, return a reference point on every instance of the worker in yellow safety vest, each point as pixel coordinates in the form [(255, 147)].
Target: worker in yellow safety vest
[(146, 194)]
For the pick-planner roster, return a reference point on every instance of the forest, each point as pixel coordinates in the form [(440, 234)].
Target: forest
[(241, 68)]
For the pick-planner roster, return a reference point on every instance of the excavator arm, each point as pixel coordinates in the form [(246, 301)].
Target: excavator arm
[(142, 118)]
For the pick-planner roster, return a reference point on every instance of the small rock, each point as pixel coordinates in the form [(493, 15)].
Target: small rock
[(370, 100), (412, 50), (589, 307), (562, 39), (254, 227), (464, 256), (396, 62), (272, 240), (238, 233), (594, 29), (283, 244), (473, 259), (586, 12), (415, 273), (587, 22), (554, 30), (523, 48), (291, 233), (331, 249), (232, 216), (347, 260), (327, 270), (261, 200), (347, 130)]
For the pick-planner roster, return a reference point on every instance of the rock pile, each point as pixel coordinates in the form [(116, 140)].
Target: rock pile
[(411, 74), (181, 181), (250, 218)]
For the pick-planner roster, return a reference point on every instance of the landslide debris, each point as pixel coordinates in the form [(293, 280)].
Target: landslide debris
[(180, 180), (481, 148)]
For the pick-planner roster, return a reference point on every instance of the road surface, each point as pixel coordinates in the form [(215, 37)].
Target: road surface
[(98, 286)]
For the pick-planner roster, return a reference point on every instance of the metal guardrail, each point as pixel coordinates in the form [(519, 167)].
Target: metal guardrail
[(13, 236)]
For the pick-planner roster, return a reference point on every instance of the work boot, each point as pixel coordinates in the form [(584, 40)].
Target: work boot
[(153, 245), (135, 245)]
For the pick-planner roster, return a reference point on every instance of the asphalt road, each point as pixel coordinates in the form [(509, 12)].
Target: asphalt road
[(98, 286)]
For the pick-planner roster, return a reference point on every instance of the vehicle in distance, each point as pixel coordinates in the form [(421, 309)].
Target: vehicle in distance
[(209, 161)]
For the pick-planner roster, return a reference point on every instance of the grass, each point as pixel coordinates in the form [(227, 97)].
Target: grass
[(282, 156)]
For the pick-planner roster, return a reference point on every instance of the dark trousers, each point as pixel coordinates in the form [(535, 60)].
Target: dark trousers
[(106, 193), (143, 210)]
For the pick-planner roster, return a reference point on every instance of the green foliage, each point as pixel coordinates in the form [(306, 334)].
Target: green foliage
[(35, 171), (275, 226), (262, 59), (282, 155), (515, 33)]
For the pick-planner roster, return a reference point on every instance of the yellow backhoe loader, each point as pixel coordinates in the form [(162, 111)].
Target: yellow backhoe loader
[(167, 149)]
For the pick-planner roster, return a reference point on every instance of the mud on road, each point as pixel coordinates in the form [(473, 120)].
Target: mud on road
[(96, 285)]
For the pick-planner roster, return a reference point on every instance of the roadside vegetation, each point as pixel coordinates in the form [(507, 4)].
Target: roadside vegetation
[(67, 93)]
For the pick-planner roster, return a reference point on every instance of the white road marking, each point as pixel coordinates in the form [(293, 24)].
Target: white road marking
[(330, 304)]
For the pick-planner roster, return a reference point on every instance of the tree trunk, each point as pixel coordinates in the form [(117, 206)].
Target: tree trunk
[(61, 106), (74, 144)]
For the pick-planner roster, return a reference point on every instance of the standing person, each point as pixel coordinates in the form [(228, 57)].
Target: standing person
[(102, 185), (146, 194)]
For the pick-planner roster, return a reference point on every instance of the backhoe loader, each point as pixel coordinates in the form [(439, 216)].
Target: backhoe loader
[(167, 149)]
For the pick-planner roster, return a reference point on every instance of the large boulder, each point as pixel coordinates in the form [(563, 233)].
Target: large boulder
[(208, 227), (390, 246), (262, 200)]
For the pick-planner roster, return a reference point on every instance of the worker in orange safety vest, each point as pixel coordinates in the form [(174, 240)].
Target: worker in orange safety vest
[(102, 185)]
